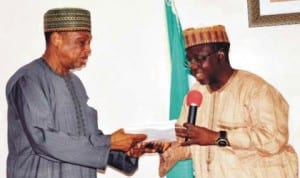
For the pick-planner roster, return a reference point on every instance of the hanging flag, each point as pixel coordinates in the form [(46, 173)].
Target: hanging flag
[(179, 81)]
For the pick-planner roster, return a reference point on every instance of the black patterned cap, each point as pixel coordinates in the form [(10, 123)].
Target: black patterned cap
[(67, 19)]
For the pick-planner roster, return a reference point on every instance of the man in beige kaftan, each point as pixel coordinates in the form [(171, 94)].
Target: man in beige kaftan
[(252, 114)]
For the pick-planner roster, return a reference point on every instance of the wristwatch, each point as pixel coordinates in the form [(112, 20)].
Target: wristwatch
[(222, 140)]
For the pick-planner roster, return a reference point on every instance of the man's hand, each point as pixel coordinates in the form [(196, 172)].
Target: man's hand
[(123, 141), (196, 135), (148, 147), (139, 149), (158, 146)]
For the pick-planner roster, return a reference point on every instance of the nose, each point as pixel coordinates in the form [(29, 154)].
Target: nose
[(87, 49), (194, 65)]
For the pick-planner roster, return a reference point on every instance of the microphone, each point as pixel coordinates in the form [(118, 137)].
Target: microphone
[(193, 100)]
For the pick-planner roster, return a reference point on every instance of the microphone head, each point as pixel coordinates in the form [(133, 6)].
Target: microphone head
[(194, 98)]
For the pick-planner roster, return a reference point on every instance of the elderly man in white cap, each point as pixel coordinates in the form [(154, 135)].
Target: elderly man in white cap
[(52, 132), (241, 128)]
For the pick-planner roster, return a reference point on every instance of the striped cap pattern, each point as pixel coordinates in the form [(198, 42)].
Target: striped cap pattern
[(198, 36), (67, 19)]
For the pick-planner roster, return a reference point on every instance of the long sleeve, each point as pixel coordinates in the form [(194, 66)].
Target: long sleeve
[(123, 162), (267, 114), (37, 120)]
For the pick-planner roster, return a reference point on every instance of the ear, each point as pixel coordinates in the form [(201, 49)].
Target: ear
[(56, 39)]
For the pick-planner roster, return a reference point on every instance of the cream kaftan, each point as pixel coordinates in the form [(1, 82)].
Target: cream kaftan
[(255, 116)]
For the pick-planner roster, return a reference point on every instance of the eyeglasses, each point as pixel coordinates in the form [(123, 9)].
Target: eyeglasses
[(198, 60)]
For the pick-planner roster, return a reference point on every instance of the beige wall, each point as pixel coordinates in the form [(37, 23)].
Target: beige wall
[(127, 77)]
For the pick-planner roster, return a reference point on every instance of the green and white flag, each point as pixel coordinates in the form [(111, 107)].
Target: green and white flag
[(179, 81)]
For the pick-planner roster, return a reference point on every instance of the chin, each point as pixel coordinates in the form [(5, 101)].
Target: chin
[(79, 68), (202, 82)]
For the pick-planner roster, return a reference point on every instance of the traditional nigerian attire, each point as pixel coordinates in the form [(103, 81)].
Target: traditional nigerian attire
[(52, 132), (67, 19), (255, 116), (205, 35)]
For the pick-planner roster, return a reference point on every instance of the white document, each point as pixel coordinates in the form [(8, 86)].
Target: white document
[(158, 131)]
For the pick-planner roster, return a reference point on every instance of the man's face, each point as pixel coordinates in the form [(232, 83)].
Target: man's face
[(203, 63), (74, 49)]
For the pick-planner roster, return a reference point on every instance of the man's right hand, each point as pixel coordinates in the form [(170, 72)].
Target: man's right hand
[(148, 147), (124, 141)]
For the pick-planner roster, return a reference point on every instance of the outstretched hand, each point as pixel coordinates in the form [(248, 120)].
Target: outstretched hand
[(148, 147), (124, 141)]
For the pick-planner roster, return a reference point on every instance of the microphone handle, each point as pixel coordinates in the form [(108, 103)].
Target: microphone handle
[(192, 115)]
